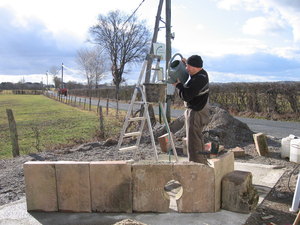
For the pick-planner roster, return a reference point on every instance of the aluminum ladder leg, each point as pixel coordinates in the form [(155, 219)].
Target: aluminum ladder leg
[(142, 119)]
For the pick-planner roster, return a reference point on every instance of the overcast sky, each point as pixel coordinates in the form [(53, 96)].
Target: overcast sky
[(239, 40)]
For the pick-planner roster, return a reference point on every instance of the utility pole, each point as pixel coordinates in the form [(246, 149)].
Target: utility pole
[(62, 75), (47, 78), (168, 54), (154, 39)]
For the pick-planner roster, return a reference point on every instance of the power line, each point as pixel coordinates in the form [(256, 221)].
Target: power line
[(134, 12)]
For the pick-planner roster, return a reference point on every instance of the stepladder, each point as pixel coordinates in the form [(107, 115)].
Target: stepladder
[(134, 133)]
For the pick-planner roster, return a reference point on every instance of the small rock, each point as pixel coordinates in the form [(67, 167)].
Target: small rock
[(238, 152), (267, 217), (95, 144)]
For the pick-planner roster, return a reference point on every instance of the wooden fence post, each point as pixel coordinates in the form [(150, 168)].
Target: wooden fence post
[(101, 122), (98, 104), (107, 102), (13, 132), (90, 103)]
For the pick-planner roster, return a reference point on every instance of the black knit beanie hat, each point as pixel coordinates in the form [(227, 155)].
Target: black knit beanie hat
[(195, 61)]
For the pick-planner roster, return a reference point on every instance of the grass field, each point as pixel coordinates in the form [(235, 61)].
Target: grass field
[(45, 124)]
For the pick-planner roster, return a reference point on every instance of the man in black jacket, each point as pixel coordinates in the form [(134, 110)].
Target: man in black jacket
[(195, 94)]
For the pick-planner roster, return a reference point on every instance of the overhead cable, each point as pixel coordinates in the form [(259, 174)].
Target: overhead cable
[(134, 12)]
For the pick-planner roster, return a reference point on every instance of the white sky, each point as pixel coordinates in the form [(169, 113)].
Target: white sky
[(239, 40)]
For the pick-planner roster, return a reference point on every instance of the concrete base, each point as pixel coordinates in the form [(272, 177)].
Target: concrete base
[(16, 214)]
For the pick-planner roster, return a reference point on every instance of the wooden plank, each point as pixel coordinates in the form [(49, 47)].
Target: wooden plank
[(128, 148), (132, 134)]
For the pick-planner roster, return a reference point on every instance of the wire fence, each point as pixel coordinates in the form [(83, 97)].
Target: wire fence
[(47, 130)]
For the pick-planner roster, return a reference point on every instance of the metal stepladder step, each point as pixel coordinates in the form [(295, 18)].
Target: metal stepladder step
[(139, 88)]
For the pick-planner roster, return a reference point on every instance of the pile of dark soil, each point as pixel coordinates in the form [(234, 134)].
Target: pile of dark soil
[(230, 131)]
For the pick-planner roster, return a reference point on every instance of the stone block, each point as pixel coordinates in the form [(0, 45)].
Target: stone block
[(222, 165), (198, 187), (148, 181), (40, 186), (207, 146), (261, 145), (238, 152), (73, 186), (111, 187), (238, 193), (164, 142)]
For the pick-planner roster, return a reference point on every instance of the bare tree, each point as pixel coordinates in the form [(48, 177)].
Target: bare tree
[(91, 61), (83, 61), (99, 65), (54, 72), (125, 40)]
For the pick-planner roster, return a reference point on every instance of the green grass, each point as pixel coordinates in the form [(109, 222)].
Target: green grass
[(45, 124)]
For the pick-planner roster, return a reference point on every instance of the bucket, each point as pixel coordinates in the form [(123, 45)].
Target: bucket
[(155, 92), (285, 146), (177, 70), (295, 150)]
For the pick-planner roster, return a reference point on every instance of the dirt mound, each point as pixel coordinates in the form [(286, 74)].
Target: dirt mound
[(230, 131)]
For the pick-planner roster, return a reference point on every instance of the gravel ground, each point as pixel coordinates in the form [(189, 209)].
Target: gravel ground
[(273, 210)]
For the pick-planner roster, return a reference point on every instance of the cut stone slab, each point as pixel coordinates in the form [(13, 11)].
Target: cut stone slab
[(198, 186), (40, 186), (164, 142), (222, 165), (111, 186), (238, 193), (261, 145), (73, 186), (148, 181), (238, 152)]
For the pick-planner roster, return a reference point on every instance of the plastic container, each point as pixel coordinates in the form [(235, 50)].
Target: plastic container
[(295, 150), (285, 146)]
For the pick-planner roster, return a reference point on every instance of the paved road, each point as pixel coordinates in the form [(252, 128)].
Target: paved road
[(277, 129)]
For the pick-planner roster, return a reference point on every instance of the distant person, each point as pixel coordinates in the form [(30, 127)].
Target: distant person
[(195, 94)]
